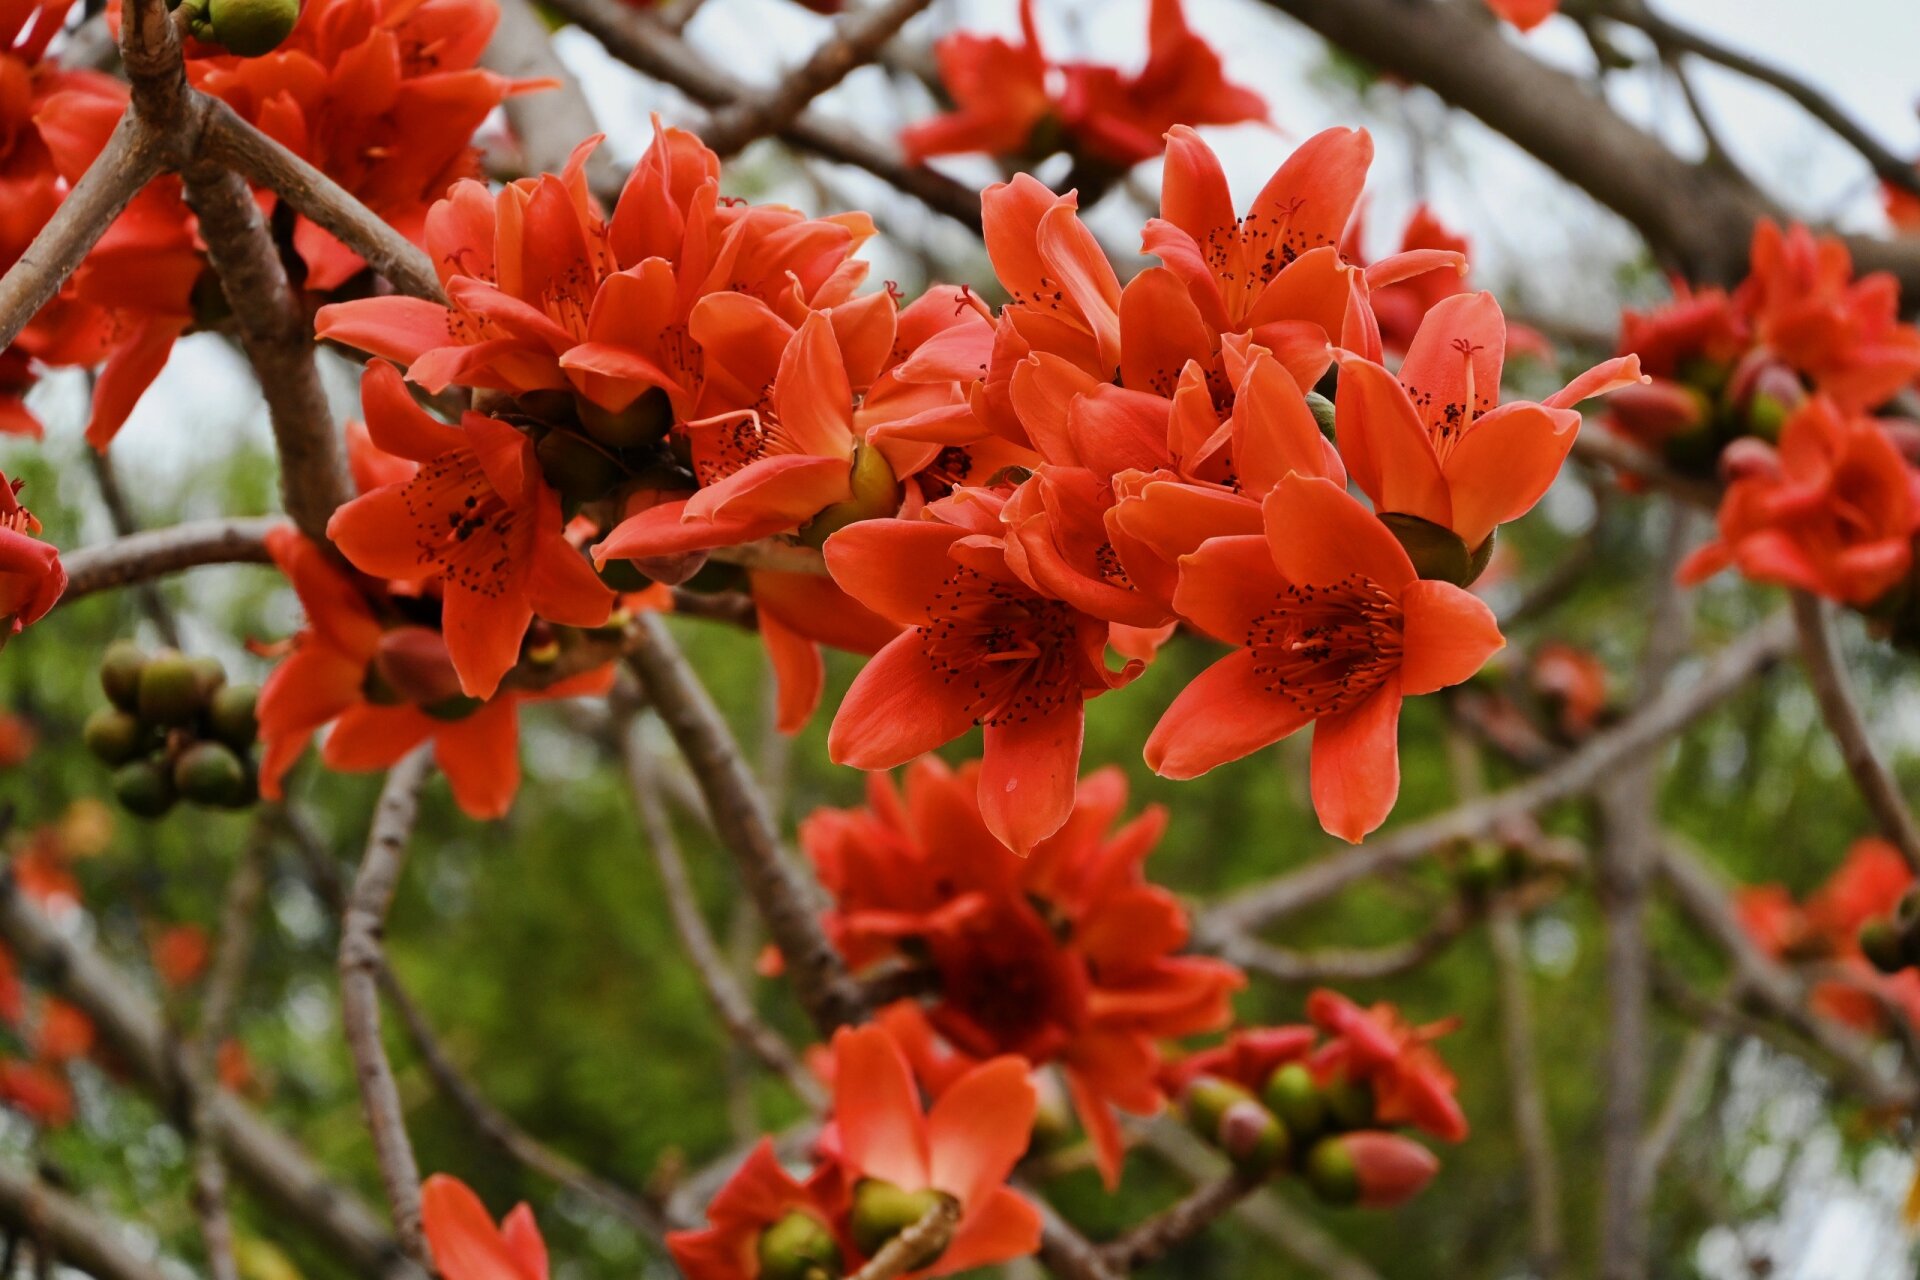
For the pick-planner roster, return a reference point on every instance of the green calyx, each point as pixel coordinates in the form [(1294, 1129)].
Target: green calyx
[(1293, 1096), (1438, 552), (1331, 1172), (799, 1247), (876, 495), (248, 28), (882, 1211)]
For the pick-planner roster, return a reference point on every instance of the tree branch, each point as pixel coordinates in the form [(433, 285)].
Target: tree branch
[(80, 1237), (915, 1247), (361, 957), (1152, 1239), (141, 557)]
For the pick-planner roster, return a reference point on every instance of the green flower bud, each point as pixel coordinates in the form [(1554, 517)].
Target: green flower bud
[(170, 689), (120, 673), (112, 735), (1881, 944), (882, 1211), (1349, 1103), (1292, 1095), (208, 773), (799, 1247), (1322, 413), (645, 421), (1253, 1139), (231, 715), (876, 495), (1331, 1172), (248, 27), (143, 789), (208, 676)]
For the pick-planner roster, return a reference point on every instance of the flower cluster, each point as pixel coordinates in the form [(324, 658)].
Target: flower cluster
[(31, 576), (1327, 1101), (1847, 933), (1013, 102)]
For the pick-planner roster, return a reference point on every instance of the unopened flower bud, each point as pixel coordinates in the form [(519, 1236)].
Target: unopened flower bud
[(645, 421), (170, 689), (113, 736), (246, 27), (208, 773), (1349, 1102), (576, 468), (143, 789), (1748, 457), (1292, 1095), (414, 663), (1206, 1101), (1322, 413), (799, 1247), (1658, 411), (120, 668), (1881, 944), (1253, 1138), (882, 1211), (1372, 1169), (232, 715)]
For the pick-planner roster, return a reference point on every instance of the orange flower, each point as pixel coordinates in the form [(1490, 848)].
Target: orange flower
[(1843, 334), (383, 96), (36, 1091), (478, 516), (1400, 306), (1067, 955), (1430, 442), (545, 295), (982, 646), (180, 954), (1010, 100), (1377, 1048), (1525, 14), (1333, 627), (465, 1243), (1574, 683), (1687, 349), (385, 690), (760, 1195), (31, 576), (1832, 511)]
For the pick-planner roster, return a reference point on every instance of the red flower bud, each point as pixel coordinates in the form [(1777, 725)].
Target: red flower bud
[(415, 662), (1372, 1169)]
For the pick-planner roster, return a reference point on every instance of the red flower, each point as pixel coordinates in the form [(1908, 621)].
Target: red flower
[(31, 576), (1575, 684), (1374, 1047), (1067, 955), (1431, 443), (1686, 347), (982, 646), (383, 96), (1334, 627), (1388, 1170), (180, 954), (759, 1196), (1525, 14), (1400, 306), (1833, 511), (466, 1245), (478, 516), (37, 1092), (1010, 100), (385, 690)]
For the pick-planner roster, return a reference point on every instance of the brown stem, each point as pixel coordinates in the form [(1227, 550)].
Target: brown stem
[(1827, 674), (142, 557), (1152, 1239), (361, 957), (1691, 1077), (856, 40), (915, 1247), (77, 1235), (125, 523), (1344, 964)]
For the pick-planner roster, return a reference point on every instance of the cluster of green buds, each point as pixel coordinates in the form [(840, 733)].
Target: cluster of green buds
[(1296, 1125), (174, 730), (246, 27), (1892, 943), (800, 1246)]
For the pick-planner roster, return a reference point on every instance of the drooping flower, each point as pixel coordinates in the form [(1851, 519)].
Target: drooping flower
[(1333, 629), (1065, 956), (1434, 442), (31, 575), (1011, 100), (477, 515), (382, 96), (465, 1243), (385, 685), (981, 646), (1832, 511)]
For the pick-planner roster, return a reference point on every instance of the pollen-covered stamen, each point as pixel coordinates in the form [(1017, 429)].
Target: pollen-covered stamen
[(1006, 651), (729, 443), (1247, 255), (1448, 421), (1326, 648), (950, 468), (462, 526)]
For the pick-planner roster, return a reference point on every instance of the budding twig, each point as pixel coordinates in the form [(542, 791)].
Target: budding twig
[(361, 957)]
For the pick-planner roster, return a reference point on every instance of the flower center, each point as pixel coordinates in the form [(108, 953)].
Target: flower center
[(1326, 648), (1005, 650), (461, 525)]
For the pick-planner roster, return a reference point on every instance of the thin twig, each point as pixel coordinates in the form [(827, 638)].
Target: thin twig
[(1191, 1215), (279, 343), (361, 956), (1827, 675), (703, 952), (856, 40), (142, 557), (1679, 704), (915, 1247), (1689, 1084), (120, 512), (1342, 965)]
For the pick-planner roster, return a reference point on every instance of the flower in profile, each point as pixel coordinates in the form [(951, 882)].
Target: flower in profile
[(1065, 956), (1011, 100), (1687, 348), (1394, 1060), (465, 1243), (981, 646), (31, 576), (478, 516), (1333, 628), (1434, 443), (1832, 511), (382, 96), (386, 684)]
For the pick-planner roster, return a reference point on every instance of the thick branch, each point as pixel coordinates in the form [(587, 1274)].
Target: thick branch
[(1679, 704), (141, 557), (78, 1236), (361, 958), (856, 40), (1827, 674), (279, 342)]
